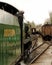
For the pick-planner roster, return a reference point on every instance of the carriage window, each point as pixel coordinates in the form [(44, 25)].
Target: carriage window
[(10, 40)]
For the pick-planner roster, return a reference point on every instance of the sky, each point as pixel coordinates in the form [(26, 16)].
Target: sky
[(34, 10)]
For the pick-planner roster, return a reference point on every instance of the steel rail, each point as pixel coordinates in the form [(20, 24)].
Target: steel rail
[(38, 55)]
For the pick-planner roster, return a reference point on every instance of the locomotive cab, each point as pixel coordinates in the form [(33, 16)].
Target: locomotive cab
[(33, 30), (11, 23)]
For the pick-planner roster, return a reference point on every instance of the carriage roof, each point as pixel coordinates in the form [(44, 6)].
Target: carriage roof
[(47, 25)]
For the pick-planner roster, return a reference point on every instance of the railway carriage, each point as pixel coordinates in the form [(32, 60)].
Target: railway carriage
[(47, 31)]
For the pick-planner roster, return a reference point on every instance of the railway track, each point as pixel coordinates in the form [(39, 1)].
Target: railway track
[(35, 53)]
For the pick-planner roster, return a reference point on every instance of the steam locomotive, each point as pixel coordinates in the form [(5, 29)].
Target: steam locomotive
[(46, 32)]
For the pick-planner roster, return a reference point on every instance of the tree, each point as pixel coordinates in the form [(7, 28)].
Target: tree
[(50, 14), (47, 21)]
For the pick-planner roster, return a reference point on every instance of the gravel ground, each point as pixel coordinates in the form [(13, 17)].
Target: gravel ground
[(44, 59)]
